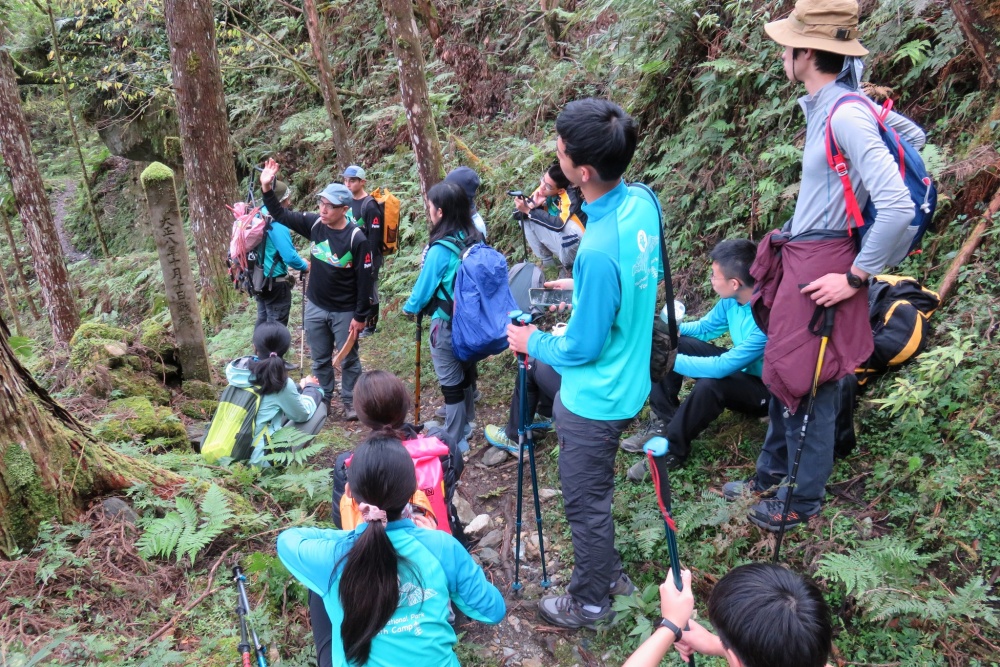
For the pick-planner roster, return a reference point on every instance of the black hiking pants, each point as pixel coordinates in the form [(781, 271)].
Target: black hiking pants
[(708, 399)]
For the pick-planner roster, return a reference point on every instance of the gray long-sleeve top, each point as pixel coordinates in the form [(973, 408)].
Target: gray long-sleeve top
[(873, 172)]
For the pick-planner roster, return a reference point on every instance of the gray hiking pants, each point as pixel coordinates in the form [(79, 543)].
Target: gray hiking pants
[(587, 449), (326, 333)]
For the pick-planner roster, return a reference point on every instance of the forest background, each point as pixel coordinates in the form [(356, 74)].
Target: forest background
[(907, 550)]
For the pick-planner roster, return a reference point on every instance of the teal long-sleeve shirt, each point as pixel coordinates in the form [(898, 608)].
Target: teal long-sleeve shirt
[(440, 266), (603, 356), (280, 253), (418, 632), (747, 353)]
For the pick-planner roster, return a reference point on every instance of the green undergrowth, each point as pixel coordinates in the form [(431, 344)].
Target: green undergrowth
[(906, 548)]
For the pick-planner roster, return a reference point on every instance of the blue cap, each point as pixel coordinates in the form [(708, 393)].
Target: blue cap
[(337, 194), (354, 171)]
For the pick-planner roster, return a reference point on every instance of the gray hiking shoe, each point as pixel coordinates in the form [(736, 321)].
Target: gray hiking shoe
[(651, 429), (639, 472), (565, 612), (622, 586)]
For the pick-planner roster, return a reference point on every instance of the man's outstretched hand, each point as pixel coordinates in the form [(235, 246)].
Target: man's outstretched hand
[(268, 175)]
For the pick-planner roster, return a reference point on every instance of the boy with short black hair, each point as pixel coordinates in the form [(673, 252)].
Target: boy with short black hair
[(603, 356), (366, 214), (724, 377), (764, 614), (553, 219)]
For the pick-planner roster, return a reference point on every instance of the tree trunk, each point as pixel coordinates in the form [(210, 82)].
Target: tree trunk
[(341, 136), (977, 31), (428, 13), (402, 29), (17, 262), (50, 465), (33, 206), (9, 296), (553, 29), (161, 198), (209, 169)]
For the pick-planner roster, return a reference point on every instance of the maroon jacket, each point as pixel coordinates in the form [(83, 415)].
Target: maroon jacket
[(783, 313)]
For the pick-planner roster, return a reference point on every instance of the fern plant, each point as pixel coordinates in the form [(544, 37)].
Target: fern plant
[(187, 529)]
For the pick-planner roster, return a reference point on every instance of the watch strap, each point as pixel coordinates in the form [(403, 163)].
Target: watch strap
[(669, 625)]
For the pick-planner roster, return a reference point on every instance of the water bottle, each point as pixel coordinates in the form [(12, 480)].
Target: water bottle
[(679, 311)]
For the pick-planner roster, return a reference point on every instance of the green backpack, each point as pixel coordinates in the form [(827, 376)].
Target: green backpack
[(231, 432)]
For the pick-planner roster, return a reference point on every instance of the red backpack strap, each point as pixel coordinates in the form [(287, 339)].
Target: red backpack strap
[(835, 158)]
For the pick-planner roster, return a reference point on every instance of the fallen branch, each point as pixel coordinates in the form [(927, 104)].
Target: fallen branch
[(968, 248)]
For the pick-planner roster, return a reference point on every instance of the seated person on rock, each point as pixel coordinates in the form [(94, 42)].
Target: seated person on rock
[(724, 378), (282, 401), (553, 219), (764, 616)]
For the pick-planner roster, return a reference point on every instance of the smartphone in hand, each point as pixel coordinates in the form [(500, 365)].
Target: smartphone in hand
[(549, 297)]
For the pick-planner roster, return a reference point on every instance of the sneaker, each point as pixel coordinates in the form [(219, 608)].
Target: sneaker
[(366, 332), (349, 414), (653, 428), (639, 472), (732, 491), (476, 395), (767, 515), (622, 586), (565, 612), (441, 413), (496, 436)]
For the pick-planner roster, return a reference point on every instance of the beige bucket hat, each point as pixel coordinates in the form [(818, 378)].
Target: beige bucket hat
[(825, 25)]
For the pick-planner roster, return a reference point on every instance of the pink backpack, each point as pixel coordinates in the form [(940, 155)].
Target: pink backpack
[(245, 261), (426, 454)]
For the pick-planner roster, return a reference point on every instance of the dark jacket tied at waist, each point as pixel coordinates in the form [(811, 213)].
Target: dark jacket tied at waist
[(782, 312)]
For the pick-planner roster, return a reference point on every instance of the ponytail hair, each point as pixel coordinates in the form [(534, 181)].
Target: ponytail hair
[(382, 401), (382, 474), (271, 340)]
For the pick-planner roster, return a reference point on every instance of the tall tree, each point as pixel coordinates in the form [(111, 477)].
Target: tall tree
[(405, 40), (161, 198), (17, 260), (50, 465), (209, 168), (33, 206), (341, 136)]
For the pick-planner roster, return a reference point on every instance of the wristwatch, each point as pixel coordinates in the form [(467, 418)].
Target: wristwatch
[(854, 280), (669, 625)]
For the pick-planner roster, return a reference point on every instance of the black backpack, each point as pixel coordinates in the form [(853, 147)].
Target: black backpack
[(899, 310)]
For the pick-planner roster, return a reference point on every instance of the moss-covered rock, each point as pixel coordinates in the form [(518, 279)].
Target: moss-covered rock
[(137, 418), (158, 339), (96, 342), (128, 384), (200, 390), (198, 409)]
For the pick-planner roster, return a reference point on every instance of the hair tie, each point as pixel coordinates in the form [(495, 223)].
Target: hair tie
[(371, 514), (273, 354)]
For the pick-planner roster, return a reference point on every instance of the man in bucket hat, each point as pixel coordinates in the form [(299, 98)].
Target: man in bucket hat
[(821, 265), (338, 298)]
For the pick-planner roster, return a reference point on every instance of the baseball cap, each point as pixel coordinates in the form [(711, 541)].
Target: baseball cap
[(337, 194), (824, 25), (354, 171), (467, 179), (281, 190)]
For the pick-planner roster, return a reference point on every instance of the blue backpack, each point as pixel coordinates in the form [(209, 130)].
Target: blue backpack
[(911, 167), (482, 300)]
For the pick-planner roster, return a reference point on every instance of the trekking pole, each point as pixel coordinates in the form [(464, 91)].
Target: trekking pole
[(416, 371), (826, 329), (302, 342), (242, 609), (661, 482), (525, 440)]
